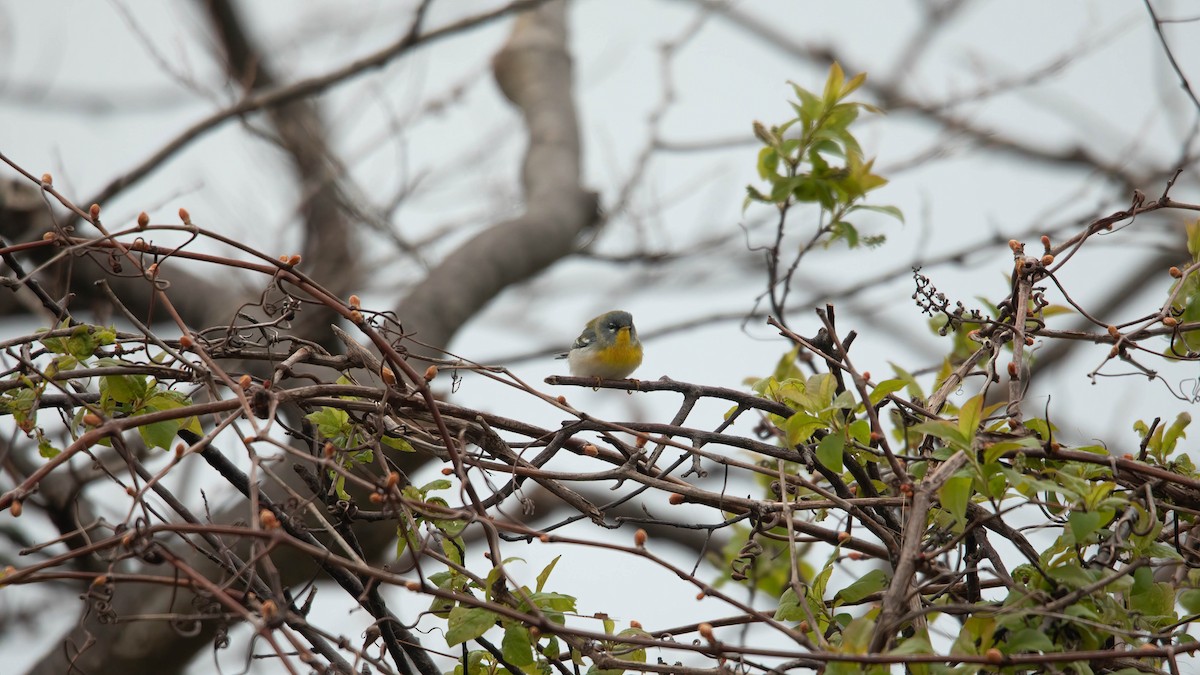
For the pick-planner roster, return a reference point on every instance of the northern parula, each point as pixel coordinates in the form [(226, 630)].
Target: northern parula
[(608, 348)]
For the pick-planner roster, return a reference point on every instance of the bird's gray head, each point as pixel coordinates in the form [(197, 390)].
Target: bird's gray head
[(613, 322)]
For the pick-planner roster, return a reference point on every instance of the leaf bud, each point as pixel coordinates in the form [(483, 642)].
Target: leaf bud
[(1175, 272), (430, 373), (269, 609), (389, 377), (706, 631), (94, 211), (763, 134), (143, 220), (675, 499), (268, 519), (639, 538), (590, 450), (47, 180), (355, 302), (185, 216), (186, 343), (16, 508), (1170, 321)]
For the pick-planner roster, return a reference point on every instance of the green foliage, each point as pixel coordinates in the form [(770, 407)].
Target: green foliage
[(814, 158), (121, 395), (518, 644), (422, 508), (347, 435), (1185, 306)]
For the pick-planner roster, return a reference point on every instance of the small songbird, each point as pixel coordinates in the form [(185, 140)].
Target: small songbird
[(608, 348)]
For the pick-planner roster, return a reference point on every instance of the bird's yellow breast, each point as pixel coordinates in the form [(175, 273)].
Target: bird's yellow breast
[(624, 352)]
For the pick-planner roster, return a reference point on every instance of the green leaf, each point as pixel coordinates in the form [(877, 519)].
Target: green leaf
[(886, 210), (331, 422), (1193, 239), (1190, 600), (860, 431), (468, 623), (123, 389), (396, 443), (789, 607), (969, 415), (635, 653), (1175, 432), (159, 434), (871, 582), (954, 495), (801, 426), (516, 645), (1083, 523), (1072, 575), (833, 84), (545, 573), (1149, 597), (944, 430), (883, 389), (46, 449), (829, 451), (856, 637), (437, 484), (1029, 640)]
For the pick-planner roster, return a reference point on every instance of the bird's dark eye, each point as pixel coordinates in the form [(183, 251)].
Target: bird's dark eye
[(612, 326)]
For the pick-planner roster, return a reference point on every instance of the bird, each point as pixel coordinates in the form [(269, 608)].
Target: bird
[(608, 348)]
